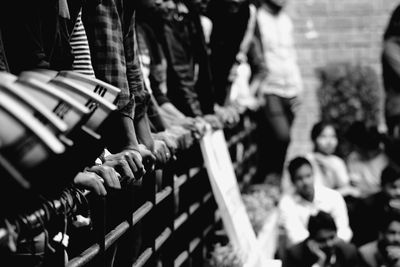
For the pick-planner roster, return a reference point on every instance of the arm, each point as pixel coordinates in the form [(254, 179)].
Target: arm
[(257, 64), (295, 229), (341, 217), (104, 31), (181, 75)]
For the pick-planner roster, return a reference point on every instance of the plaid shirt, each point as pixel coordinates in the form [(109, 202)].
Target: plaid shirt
[(110, 30)]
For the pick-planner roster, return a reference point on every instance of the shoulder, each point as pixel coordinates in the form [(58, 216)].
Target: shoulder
[(287, 201), (369, 248), (296, 251), (328, 192), (368, 251), (337, 160), (348, 250)]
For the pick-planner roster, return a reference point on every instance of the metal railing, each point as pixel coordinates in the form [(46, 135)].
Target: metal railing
[(171, 217)]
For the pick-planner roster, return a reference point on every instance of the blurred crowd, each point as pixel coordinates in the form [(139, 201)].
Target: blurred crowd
[(342, 209)]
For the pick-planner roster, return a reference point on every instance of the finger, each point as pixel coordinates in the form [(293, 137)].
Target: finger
[(114, 177), (110, 177), (133, 161), (125, 169), (101, 189)]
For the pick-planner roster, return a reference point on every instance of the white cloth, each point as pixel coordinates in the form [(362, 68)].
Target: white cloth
[(284, 77), (329, 170), (295, 212)]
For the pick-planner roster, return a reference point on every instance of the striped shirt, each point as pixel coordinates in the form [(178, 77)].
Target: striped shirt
[(80, 49)]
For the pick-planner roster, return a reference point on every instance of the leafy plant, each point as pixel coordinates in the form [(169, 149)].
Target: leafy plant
[(348, 93), (259, 201), (225, 256)]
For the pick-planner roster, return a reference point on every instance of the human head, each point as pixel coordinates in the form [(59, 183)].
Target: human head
[(232, 6), (323, 136), (157, 7), (389, 232), (390, 184), (200, 5), (366, 140), (275, 5), (302, 177), (322, 229)]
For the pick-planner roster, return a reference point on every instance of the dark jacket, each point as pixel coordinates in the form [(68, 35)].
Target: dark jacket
[(35, 36), (226, 37), (369, 209), (189, 82)]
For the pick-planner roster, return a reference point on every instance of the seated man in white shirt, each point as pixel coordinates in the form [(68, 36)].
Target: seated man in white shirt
[(307, 199)]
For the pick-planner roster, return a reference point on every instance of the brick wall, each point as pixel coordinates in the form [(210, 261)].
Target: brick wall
[(330, 31)]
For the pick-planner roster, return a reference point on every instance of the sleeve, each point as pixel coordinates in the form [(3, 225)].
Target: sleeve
[(289, 260), (181, 72), (341, 216), (391, 53), (295, 230), (156, 69), (258, 66), (104, 31), (134, 73)]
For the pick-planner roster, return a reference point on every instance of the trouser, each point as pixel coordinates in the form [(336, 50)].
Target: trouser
[(274, 126)]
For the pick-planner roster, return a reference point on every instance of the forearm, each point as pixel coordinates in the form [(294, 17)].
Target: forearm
[(120, 134), (142, 128), (171, 110)]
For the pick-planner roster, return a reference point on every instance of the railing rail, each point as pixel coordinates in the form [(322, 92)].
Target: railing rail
[(176, 216)]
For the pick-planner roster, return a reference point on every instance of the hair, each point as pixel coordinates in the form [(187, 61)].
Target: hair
[(321, 220), (390, 174), (364, 137), (295, 164), (318, 128), (387, 219)]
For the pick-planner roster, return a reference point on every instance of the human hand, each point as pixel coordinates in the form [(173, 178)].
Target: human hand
[(184, 136), (161, 152), (109, 175), (214, 121), (127, 163), (187, 123), (317, 251), (90, 181), (201, 127), (170, 140), (229, 115), (149, 159)]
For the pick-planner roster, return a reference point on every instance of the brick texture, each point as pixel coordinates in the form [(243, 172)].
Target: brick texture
[(332, 31)]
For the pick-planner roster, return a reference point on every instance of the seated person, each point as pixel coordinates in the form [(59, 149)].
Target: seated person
[(329, 169), (307, 198), (322, 247), (375, 206), (385, 251), (366, 162)]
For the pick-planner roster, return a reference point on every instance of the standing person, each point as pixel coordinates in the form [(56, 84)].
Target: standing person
[(282, 86), (322, 248), (307, 199), (385, 251), (391, 72)]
